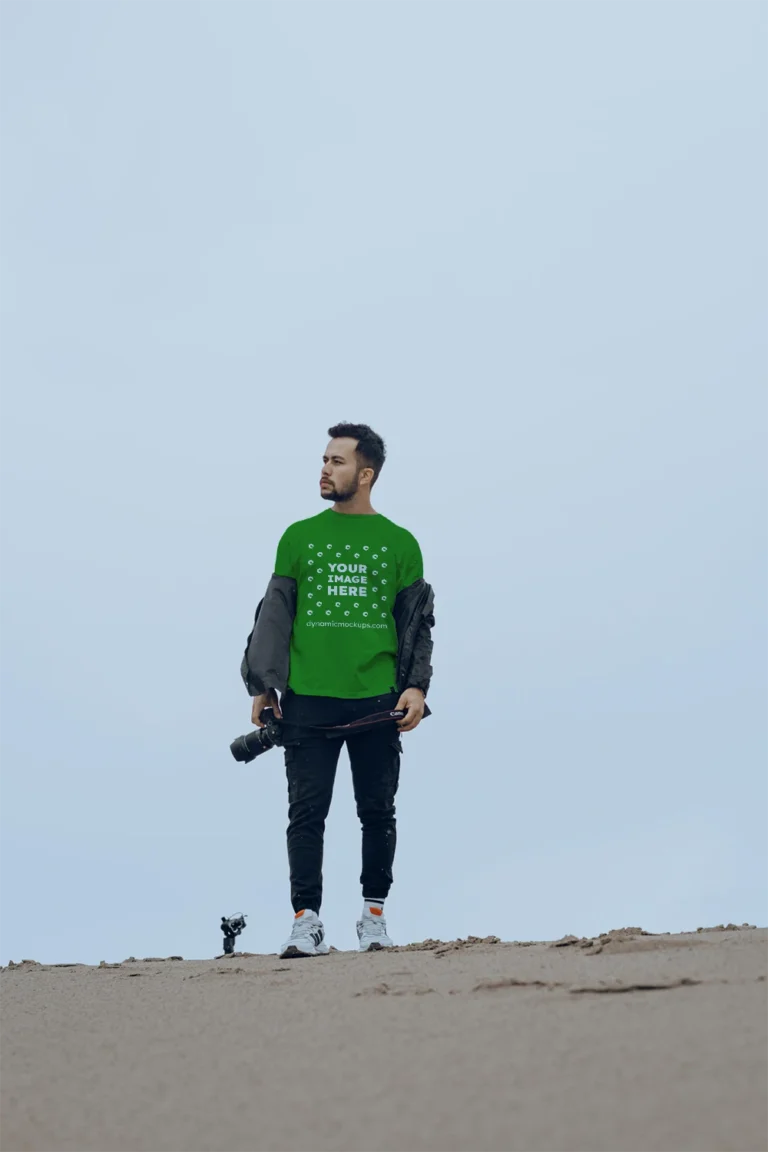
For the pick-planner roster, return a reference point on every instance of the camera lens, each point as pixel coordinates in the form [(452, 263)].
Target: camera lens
[(248, 747)]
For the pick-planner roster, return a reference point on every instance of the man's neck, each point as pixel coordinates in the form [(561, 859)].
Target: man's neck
[(355, 507)]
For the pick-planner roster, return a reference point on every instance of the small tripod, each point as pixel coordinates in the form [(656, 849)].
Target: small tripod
[(231, 926)]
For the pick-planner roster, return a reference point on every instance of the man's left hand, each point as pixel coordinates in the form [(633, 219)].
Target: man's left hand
[(411, 701)]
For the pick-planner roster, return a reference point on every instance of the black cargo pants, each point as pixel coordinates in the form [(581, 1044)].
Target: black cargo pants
[(310, 763)]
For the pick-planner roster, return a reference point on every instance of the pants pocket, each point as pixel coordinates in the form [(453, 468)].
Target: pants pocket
[(293, 776)]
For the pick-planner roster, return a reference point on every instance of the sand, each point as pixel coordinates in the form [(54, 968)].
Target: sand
[(627, 1043)]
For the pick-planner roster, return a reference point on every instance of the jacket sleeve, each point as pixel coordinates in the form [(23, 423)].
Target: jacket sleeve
[(414, 618), (420, 671), (268, 648)]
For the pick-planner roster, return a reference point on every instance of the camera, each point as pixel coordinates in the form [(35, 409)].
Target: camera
[(248, 747), (231, 926)]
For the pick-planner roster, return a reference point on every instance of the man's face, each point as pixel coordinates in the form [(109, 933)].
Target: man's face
[(340, 476)]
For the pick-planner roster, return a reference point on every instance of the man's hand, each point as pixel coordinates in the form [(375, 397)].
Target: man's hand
[(412, 700), (267, 699)]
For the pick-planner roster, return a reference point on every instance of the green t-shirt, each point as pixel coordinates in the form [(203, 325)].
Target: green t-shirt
[(348, 570)]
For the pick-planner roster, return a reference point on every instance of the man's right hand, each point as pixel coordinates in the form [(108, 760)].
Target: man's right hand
[(267, 699)]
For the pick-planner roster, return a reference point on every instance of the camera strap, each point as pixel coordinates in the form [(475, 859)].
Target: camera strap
[(365, 723)]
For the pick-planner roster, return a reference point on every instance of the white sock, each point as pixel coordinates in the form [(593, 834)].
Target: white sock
[(374, 907)]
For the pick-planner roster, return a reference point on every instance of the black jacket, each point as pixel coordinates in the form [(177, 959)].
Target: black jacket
[(267, 651)]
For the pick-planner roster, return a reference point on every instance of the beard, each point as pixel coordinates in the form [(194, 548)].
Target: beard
[(340, 495)]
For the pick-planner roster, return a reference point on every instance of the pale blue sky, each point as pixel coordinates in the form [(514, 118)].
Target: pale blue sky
[(527, 243)]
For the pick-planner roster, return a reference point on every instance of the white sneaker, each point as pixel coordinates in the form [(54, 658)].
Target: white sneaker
[(372, 932), (307, 937)]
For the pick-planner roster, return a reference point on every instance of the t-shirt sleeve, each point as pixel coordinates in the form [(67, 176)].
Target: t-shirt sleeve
[(411, 565), (285, 561)]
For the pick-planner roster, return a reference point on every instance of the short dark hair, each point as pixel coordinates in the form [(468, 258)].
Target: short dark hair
[(371, 451)]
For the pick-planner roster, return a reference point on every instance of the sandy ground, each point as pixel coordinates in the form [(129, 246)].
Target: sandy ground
[(628, 1043)]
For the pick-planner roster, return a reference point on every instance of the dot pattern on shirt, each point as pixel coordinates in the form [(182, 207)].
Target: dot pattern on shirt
[(326, 551)]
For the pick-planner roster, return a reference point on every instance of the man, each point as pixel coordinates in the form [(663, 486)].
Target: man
[(343, 632)]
